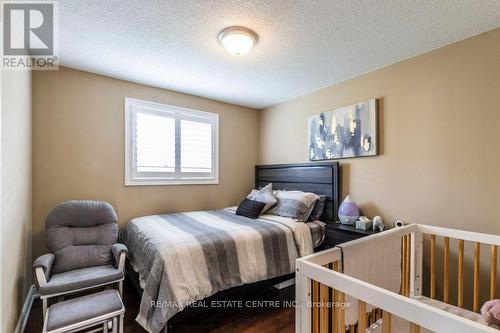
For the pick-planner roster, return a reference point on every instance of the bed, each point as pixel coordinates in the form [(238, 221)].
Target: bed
[(186, 257)]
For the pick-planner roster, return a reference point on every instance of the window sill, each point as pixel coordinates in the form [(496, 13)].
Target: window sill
[(163, 182)]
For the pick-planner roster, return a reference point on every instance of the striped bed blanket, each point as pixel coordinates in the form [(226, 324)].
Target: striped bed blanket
[(185, 257)]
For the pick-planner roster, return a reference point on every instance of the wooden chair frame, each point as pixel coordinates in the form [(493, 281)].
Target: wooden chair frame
[(41, 280)]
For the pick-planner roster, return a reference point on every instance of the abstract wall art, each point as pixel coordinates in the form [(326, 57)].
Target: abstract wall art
[(349, 131)]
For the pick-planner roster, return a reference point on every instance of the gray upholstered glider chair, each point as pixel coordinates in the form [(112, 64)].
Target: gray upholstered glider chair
[(84, 253)]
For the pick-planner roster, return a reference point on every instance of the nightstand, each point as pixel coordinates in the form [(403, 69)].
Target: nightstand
[(336, 233)]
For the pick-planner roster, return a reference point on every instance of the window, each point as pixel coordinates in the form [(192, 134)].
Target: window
[(169, 145)]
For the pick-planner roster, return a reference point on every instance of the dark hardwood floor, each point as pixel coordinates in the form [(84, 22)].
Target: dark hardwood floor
[(270, 319)]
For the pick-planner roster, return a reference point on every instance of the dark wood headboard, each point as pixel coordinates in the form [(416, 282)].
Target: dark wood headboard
[(320, 178)]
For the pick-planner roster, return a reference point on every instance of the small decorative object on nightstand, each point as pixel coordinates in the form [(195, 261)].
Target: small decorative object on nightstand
[(348, 211), (378, 223), (364, 223), (399, 224)]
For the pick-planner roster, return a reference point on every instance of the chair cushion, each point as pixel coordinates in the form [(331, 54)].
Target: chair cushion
[(80, 234), (83, 308), (80, 278)]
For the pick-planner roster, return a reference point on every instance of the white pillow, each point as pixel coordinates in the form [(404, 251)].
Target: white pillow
[(266, 195)]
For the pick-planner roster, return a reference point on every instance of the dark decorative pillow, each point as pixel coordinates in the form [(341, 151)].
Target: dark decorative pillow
[(318, 209), (264, 194), (250, 208)]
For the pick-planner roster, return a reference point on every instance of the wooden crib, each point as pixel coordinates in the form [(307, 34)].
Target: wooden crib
[(321, 289)]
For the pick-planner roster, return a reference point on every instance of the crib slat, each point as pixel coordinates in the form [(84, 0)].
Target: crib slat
[(386, 322), (329, 309), (404, 281), (414, 328), (361, 317), (323, 310), (477, 254), (402, 288), (446, 270), (493, 272), (408, 264), (341, 317), (315, 308), (433, 266), (335, 311), (460, 292), (352, 328), (403, 258)]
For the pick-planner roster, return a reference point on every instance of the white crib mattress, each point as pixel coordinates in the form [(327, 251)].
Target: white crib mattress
[(402, 326), (452, 309)]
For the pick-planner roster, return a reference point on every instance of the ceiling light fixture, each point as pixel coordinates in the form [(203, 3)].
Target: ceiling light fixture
[(237, 40)]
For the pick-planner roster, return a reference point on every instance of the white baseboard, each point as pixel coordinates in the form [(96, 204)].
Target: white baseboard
[(25, 312)]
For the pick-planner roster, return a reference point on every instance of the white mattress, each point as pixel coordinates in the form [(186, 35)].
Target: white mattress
[(402, 326)]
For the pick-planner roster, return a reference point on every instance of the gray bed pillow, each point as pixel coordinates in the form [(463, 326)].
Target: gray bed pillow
[(318, 208), (294, 204), (265, 195)]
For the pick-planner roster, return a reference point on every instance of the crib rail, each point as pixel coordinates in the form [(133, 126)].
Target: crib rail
[(318, 282), (478, 239)]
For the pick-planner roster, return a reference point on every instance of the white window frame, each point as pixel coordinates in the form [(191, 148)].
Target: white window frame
[(134, 178)]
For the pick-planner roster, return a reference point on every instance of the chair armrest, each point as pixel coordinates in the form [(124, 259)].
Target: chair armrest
[(119, 253), (43, 264)]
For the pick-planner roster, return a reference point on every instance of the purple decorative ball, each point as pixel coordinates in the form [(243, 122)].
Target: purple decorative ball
[(348, 211)]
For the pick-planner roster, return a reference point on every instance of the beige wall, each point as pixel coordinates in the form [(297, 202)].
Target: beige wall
[(16, 194), (78, 143), (439, 137)]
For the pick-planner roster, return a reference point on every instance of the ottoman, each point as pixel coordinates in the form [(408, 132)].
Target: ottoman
[(102, 310)]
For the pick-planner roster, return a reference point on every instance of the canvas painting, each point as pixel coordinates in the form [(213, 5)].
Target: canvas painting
[(350, 131)]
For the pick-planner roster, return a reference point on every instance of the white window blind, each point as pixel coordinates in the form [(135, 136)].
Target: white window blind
[(155, 143), (168, 145), (196, 146)]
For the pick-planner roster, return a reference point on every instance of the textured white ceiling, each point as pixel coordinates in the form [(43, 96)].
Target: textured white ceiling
[(304, 45)]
